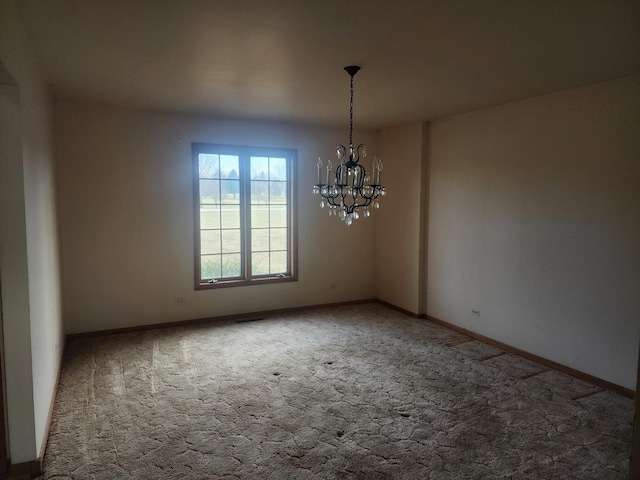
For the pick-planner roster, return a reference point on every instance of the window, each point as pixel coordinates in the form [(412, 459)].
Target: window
[(244, 215)]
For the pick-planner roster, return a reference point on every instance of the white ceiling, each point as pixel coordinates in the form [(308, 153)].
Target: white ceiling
[(282, 59)]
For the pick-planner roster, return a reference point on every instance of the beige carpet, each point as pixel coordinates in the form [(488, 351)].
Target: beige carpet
[(359, 392)]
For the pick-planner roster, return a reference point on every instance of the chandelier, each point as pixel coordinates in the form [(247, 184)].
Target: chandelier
[(349, 190)]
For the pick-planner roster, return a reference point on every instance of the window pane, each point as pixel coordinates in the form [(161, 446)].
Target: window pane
[(230, 241), (278, 193), (209, 241), (259, 192), (210, 191), (277, 169), (278, 217), (260, 263), (210, 266), (209, 164), (278, 239), (209, 217), (278, 262), (230, 191), (229, 166), (259, 216), (231, 265), (259, 239), (230, 216), (259, 168)]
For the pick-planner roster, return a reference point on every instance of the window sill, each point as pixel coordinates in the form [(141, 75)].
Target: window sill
[(244, 283)]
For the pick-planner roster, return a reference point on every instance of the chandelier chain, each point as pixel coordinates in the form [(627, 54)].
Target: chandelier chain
[(351, 115)]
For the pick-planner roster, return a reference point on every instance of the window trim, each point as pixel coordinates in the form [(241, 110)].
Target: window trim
[(244, 152)]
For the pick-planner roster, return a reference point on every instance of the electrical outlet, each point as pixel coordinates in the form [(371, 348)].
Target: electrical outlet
[(475, 313), (180, 300)]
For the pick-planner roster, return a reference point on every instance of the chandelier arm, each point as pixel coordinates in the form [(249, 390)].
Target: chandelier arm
[(340, 181), (351, 208), (361, 173), (366, 204), (360, 151)]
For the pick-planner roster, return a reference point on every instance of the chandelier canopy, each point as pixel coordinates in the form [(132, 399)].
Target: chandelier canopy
[(349, 190)]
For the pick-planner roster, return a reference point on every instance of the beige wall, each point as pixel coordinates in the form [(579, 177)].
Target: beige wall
[(400, 224), (535, 221), (32, 320), (125, 185)]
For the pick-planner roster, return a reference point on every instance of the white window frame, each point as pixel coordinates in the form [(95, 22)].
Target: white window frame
[(245, 153)]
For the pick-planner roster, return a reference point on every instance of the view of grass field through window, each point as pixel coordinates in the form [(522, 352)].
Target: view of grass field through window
[(243, 215)]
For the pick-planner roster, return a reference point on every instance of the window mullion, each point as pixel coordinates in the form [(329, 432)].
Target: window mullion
[(245, 204)]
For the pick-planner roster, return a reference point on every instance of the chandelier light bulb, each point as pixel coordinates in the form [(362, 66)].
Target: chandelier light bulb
[(319, 164)]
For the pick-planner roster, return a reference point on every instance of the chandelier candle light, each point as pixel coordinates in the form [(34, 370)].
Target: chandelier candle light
[(349, 187)]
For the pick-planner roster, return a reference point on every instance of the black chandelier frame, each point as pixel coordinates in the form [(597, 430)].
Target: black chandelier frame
[(350, 190)]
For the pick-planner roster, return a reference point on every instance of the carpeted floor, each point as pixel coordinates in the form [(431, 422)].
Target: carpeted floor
[(359, 392)]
